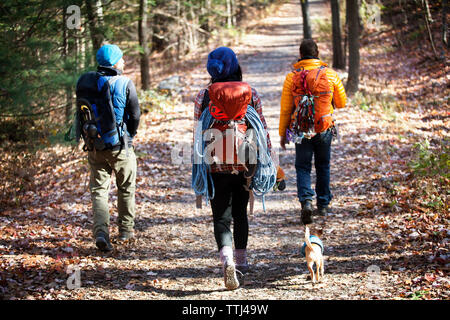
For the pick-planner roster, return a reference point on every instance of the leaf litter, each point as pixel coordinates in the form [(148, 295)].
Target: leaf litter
[(382, 211)]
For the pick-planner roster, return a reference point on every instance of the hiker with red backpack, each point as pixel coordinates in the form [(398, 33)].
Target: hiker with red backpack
[(107, 119), (310, 94), (231, 109)]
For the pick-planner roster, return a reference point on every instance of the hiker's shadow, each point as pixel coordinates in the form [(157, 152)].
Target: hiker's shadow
[(176, 293), (168, 282)]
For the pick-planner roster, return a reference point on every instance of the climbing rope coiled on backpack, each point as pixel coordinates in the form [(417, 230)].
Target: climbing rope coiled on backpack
[(201, 170), (265, 174)]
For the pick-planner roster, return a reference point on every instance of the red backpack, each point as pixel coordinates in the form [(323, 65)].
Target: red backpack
[(227, 103), (312, 100)]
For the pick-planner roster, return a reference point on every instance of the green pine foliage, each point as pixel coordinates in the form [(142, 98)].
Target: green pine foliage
[(41, 58), (31, 65)]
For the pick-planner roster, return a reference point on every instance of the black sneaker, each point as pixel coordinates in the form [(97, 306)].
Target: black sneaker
[(126, 235), (307, 212), (281, 185), (102, 242)]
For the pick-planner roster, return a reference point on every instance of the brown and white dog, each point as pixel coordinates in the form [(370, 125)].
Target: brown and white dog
[(313, 252)]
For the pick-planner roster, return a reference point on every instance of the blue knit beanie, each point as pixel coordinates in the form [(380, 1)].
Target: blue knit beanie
[(222, 62), (108, 55)]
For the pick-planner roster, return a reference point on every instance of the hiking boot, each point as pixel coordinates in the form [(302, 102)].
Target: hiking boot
[(126, 235), (240, 256), (229, 276), (321, 211), (240, 274), (102, 242), (242, 268), (307, 212)]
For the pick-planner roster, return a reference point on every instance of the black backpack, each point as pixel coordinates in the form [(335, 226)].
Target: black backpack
[(95, 113)]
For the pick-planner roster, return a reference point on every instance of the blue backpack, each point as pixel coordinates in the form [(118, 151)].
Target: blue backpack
[(96, 114)]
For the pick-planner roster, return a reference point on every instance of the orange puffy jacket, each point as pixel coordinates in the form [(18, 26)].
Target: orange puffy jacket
[(287, 100)]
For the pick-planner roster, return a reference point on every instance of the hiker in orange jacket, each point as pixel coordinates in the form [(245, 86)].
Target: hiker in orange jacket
[(320, 142)]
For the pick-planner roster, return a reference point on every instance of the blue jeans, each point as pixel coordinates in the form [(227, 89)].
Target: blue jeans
[(320, 146)]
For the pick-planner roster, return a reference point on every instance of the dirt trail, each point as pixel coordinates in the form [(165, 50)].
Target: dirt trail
[(175, 255), (187, 263)]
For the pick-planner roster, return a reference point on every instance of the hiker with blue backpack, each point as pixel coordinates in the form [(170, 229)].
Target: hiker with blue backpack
[(310, 94), (107, 119), (239, 163)]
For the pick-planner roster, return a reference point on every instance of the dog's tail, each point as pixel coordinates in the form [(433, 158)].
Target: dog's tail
[(307, 241)]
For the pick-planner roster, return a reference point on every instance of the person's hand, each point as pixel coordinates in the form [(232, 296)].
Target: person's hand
[(283, 142)]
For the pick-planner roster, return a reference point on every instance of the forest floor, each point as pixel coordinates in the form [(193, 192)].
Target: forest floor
[(373, 246)]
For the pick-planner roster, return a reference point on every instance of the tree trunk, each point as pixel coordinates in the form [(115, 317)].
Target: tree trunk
[(65, 54), (143, 42), (352, 16), (444, 23), (229, 22), (84, 55), (307, 34), (345, 42), (95, 16), (233, 12), (206, 12), (241, 7), (338, 55), (428, 20), (178, 30), (193, 29)]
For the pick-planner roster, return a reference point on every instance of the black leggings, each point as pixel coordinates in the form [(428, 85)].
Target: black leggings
[(230, 203)]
